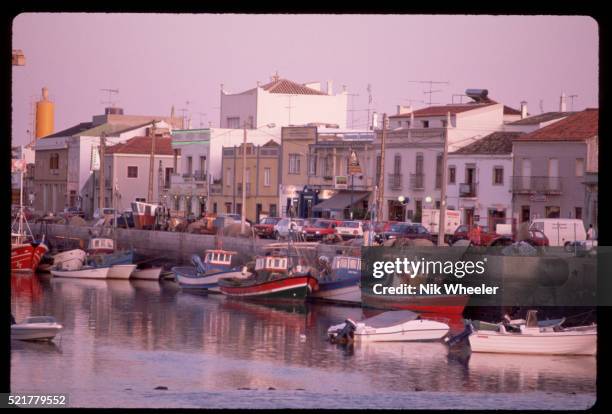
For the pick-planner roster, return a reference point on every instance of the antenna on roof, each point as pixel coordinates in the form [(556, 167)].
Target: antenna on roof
[(541, 106), (460, 95), (431, 91), (572, 101), (110, 92)]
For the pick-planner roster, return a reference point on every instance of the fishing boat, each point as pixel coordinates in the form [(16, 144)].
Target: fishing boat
[(392, 326), (69, 260), (26, 253), (149, 273), (275, 276), (144, 214), (340, 280), (35, 328), (101, 253), (529, 337), (205, 274), (86, 272)]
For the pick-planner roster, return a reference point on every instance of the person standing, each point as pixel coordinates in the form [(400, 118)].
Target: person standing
[(591, 233)]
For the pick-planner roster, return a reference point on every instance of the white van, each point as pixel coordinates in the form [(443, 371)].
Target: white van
[(560, 231)]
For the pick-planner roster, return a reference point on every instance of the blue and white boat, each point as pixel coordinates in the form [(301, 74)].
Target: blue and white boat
[(102, 253), (340, 282), (205, 274)]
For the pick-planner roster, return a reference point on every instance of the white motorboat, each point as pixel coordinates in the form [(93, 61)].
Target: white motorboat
[(36, 328), (86, 272), (122, 271), (151, 273), (527, 337), (389, 326), (69, 260)]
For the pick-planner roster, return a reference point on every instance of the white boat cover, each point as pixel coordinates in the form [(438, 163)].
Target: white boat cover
[(390, 318)]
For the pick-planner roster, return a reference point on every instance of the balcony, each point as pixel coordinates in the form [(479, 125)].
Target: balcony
[(468, 190), (187, 177), (417, 181), (395, 181), (535, 184), (199, 176)]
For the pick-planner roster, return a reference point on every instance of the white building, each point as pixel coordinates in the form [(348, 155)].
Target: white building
[(480, 180), (283, 102)]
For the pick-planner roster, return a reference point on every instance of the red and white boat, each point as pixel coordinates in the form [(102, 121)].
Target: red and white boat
[(144, 214), (25, 251)]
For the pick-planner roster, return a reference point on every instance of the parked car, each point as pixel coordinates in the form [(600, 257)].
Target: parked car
[(319, 229), (286, 226), (349, 229), (265, 228), (404, 230), (537, 238), (480, 237)]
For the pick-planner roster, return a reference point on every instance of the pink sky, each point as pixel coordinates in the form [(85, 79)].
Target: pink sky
[(160, 60)]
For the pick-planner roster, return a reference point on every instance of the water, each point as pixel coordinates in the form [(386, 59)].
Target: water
[(122, 339)]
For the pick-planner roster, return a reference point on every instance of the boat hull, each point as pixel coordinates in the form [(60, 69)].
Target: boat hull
[(343, 290), (88, 273), (546, 343), (69, 260), (418, 330), (188, 278), (439, 304), (35, 332), (152, 273), (26, 257), (122, 271), (289, 288)]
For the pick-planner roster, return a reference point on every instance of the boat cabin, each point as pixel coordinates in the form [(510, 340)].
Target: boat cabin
[(346, 262), (219, 257), (101, 245), (271, 263)]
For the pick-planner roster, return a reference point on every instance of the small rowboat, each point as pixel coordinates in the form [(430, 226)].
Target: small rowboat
[(36, 328), (151, 273), (86, 272), (393, 326)]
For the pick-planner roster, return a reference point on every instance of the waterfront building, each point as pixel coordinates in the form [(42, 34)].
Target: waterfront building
[(26, 153), (283, 102), (261, 181), (127, 167), (479, 180), (318, 175), (555, 170)]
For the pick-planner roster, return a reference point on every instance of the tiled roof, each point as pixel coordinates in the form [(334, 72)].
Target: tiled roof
[(74, 130), (289, 87), (495, 143), (142, 145), (576, 127), (538, 119), (511, 111), (441, 110)]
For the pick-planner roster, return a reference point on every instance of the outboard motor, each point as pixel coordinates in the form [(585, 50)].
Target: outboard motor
[(452, 341), (346, 335), (197, 262)]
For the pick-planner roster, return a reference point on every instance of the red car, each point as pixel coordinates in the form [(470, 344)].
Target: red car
[(484, 237), (319, 229), (265, 228)]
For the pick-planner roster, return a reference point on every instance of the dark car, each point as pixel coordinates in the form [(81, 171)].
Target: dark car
[(265, 228), (319, 229), (404, 231), (125, 220)]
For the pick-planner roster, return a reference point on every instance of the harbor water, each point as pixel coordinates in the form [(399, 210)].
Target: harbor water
[(149, 344)]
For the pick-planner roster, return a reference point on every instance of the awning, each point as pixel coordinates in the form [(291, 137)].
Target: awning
[(341, 201)]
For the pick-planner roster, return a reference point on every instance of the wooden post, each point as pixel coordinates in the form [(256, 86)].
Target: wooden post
[(442, 217), (381, 180), (101, 174)]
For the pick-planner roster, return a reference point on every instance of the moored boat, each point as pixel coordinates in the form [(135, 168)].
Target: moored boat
[(86, 272), (150, 273), (205, 274), (528, 337), (69, 260), (35, 328), (391, 326), (121, 271), (340, 280)]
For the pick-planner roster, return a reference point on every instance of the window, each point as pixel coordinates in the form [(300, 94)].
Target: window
[(419, 163), (215, 207), (169, 171), (579, 167), (407, 124), (132, 172), (498, 175), (233, 122), (267, 177), (578, 213), (228, 208), (202, 164), (177, 202), (552, 211), (189, 165), (248, 177), (452, 174), (294, 163), (312, 165), (439, 171), (238, 208), (425, 124), (273, 212), (141, 199), (54, 162), (228, 177), (397, 164), (444, 123)]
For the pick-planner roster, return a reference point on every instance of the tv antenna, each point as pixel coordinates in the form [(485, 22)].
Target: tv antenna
[(541, 106), (460, 95), (201, 114), (572, 101), (110, 92), (431, 91)]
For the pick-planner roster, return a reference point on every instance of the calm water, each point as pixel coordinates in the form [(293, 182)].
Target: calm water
[(122, 339)]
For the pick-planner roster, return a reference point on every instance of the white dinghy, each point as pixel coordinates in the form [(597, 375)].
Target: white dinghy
[(36, 328), (392, 326), (150, 273), (86, 272), (69, 260)]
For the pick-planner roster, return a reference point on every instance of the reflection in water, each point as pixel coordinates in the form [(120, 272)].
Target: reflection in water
[(141, 334)]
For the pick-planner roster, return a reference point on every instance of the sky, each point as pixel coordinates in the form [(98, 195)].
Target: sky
[(160, 60)]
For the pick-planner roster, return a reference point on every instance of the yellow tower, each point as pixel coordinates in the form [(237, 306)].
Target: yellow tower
[(44, 115)]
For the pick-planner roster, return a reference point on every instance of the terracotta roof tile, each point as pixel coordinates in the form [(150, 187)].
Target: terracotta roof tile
[(576, 127), (289, 87), (142, 145), (495, 143)]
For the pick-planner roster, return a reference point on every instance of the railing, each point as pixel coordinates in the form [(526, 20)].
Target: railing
[(536, 184), (395, 181), (467, 190), (417, 181), (199, 176), (216, 189)]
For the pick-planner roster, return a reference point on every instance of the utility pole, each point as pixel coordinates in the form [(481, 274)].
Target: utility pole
[(151, 165), (101, 174), (381, 179), (243, 213), (442, 217)]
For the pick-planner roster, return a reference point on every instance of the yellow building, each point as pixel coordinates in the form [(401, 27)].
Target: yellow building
[(261, 181)]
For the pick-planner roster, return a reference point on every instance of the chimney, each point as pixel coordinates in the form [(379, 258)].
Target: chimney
[(523, 109), (401, 109), (330, 87), (374, 121), (562, 103)]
